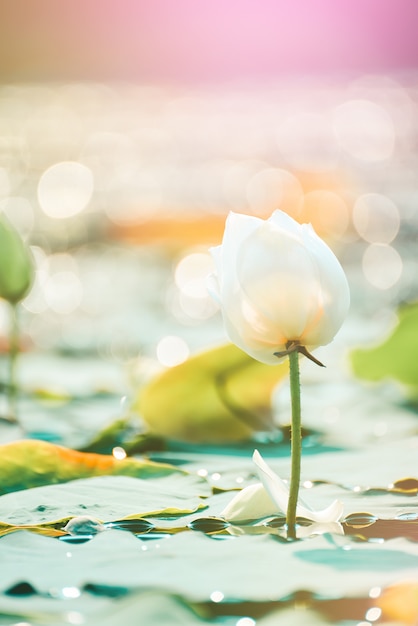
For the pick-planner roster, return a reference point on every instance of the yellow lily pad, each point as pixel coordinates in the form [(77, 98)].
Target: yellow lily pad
[(30, 463), (218, 396)]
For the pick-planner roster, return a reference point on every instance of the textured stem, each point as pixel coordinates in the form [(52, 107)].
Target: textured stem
[(13, 354), (296, 443)]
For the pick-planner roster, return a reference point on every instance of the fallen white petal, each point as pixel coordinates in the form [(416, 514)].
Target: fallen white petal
[(279, 493), (252, 502), (271, 496)]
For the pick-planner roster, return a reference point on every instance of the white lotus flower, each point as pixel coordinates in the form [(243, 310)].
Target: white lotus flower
[(270, 497), (277, 284)]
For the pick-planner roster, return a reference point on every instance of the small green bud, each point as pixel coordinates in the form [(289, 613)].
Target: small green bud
[(16, 264)]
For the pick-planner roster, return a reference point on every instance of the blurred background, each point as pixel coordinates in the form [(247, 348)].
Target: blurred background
[(129, 129)]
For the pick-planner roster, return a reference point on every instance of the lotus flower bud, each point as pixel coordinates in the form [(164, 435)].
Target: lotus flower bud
[(277, 283), (16, 264)]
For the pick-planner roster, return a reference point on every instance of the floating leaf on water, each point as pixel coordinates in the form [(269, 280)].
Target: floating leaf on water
[(29, 463), (51, 529)]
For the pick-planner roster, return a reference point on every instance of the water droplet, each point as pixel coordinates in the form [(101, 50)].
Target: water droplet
[(208, 524), (406, 485), (276, 522), (136, 526), (360, 520), (408, 516), (83, 525)]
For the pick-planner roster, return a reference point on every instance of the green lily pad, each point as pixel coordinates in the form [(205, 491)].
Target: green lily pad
[(221, 395), (396, 357), (106, 498)]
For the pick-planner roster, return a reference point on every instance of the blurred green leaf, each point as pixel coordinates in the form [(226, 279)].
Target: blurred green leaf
[(16, 264), (25, 464), (221, 395), (396, 357)]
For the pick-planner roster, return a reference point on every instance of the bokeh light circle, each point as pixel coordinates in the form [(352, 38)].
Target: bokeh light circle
[(191, 273), (376, 218), (307, 142), (365, 130), (274, 188), (19, 212), (327, 212), (65, 189), (172, 350), (382, 265), (63, 292)]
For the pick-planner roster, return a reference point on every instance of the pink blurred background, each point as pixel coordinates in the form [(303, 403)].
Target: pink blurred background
[(146, 121), (203, 40)]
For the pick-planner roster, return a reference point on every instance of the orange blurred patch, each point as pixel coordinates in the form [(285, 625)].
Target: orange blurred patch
[(324, 205), (179, 230), (399, 603), (327, 204)]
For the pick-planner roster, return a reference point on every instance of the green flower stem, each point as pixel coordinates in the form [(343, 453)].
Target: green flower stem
[(13, 354), (296, 443)]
